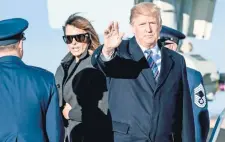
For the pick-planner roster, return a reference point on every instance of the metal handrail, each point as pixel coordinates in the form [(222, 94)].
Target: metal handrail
[(216, 129)]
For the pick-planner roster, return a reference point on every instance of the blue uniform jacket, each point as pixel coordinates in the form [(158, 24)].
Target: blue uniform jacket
[(199, 104), (29, 104)]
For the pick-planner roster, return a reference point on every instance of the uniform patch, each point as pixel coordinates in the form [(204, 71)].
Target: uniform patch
[(199, 96)]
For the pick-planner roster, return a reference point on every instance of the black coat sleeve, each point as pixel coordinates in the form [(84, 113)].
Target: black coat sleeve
[(119, 66)]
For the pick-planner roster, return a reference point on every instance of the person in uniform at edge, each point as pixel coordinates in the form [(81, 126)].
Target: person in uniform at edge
[(29, 99), (82, 88), (149, 98), (170, 38)]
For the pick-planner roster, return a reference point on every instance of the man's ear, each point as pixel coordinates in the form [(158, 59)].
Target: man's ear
[(160, 28), (20, 45), (20, 48), (132, 28)]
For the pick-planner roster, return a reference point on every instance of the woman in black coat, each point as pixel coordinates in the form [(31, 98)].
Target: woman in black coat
[(82, 88)]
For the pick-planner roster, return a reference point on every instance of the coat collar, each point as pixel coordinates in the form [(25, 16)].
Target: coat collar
[(138, 55), (166, 64), (135, 50), (11, 59)]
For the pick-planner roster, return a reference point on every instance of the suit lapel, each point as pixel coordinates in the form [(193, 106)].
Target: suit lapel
[(138, 56), (166, 65)]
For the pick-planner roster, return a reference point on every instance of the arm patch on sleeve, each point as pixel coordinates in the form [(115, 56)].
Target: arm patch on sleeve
[(199, 96)]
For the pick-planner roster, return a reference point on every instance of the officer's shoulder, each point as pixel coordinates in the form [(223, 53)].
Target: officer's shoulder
[(193, 71), (196, 74), (41, 72)]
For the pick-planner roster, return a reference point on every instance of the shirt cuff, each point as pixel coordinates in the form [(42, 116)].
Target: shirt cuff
[(107, 58)]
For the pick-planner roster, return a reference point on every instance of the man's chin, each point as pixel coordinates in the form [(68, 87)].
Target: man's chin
[(149, 43)]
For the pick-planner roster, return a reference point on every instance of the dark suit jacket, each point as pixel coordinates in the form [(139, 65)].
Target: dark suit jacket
[(141, 109), (199, 104), (29, 103)]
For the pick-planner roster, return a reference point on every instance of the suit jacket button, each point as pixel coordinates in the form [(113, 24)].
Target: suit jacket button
[(58, 85)]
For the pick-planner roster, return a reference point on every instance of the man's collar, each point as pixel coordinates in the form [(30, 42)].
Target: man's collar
[(11, 59), (155, 49)]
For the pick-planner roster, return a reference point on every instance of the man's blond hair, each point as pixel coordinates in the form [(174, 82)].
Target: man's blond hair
[(147, 9)]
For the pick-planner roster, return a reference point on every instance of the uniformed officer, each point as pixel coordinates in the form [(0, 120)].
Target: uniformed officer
[(170, 38), (29, 105)]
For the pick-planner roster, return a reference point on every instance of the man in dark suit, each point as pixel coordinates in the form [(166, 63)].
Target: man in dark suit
[(170, 38), (149, 98), (29, 104)]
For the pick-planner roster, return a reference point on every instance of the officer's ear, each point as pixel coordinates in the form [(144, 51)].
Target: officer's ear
[(20, 48), (20, 45)]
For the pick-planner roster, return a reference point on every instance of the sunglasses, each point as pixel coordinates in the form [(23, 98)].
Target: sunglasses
[(23, 37), (68, 39)]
